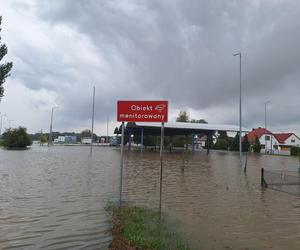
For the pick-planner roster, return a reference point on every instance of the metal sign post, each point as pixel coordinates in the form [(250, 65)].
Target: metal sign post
[(121, 169), (142, 111), (161, 166)]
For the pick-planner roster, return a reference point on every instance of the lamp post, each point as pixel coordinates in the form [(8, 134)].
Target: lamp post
[(93, 116), (266, 103), (50, 132), (1, 123), (240, 111)]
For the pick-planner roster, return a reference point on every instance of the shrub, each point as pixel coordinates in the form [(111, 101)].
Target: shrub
[(16, 138), (295, 151)]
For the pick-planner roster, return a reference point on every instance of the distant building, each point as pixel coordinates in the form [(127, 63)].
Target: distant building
[(278, 143), (70, 139), (200, 141), (86, 140), (286, 141), (61, 139)]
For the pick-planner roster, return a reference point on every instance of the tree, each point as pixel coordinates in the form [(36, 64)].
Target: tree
[(182, 117), (245, 144), (116, 132), (86, 133), (256, 146), (16, 138), (5, 68), (199, 121), (235, 144), (42, 138)]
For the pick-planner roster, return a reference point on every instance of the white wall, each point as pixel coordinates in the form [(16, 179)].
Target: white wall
[(269, 144), (289, 141), (86, 140)]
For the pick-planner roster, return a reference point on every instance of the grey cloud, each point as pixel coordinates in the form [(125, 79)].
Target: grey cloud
[(178, 50)]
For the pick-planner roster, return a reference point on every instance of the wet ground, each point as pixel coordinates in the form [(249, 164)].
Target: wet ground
[(54, 198)]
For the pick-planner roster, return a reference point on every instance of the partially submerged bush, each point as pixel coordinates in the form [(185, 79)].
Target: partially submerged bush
[(16, 138)]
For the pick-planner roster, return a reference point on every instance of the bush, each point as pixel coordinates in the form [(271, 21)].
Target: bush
[(16, 138), (256, 147), (295, 151)]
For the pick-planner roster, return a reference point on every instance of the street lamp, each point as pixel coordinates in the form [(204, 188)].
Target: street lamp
[(266, 103), (1, 123), (240, 139), (50, 133)]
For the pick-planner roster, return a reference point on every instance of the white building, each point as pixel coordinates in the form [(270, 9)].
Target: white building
[(86, 140), (286, 141), (278, 143), (61, 139)]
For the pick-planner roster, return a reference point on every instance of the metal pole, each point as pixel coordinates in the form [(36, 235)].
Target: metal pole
[(107, 129), (50, 132), (161, 166), (193, 143), (121, 165), (1, 123), (267, 102), (142, 139), (240, 109), (93, 113)]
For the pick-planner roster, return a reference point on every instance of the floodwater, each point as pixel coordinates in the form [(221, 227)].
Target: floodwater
[(54, 198)]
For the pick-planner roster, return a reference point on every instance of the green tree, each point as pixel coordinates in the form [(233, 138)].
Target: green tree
[(256, 146), (42, 138), (245, 144), (116, 132), (235, 144), (182, 117), (5, 68), (221, 144), (199, 121), (16, 138)]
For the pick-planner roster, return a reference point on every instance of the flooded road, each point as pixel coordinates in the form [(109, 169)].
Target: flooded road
[(54, 199)]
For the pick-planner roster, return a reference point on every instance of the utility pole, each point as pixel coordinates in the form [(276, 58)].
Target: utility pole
[(1, 123), (266, 103), (107, 129), (240, 108), (50, 132), (93, 113)]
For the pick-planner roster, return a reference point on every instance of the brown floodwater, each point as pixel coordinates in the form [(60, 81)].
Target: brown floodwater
[(55, 198)]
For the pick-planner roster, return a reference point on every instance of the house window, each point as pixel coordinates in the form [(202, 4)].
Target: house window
[(267, 137), (293, 140)]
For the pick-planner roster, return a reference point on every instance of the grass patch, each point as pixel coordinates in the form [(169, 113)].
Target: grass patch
[(140, 228)]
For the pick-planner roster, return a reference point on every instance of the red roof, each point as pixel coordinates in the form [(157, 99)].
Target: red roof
[(281, 137), (258, 132)]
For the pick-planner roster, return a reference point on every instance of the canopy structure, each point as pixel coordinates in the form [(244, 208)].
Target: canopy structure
[(179, 128)]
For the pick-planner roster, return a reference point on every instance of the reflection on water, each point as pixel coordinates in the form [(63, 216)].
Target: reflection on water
[(54, 198)]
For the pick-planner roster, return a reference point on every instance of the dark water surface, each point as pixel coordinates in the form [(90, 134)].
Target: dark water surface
[(54, 198)]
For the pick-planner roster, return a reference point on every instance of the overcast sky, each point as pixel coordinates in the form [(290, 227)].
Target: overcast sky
[(178, 50)]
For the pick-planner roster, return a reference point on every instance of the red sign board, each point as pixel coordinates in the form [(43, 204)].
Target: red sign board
[(142, 111)]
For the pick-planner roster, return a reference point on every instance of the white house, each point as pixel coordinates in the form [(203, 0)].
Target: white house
[(266, 138), (278, 143), (286, 141)]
